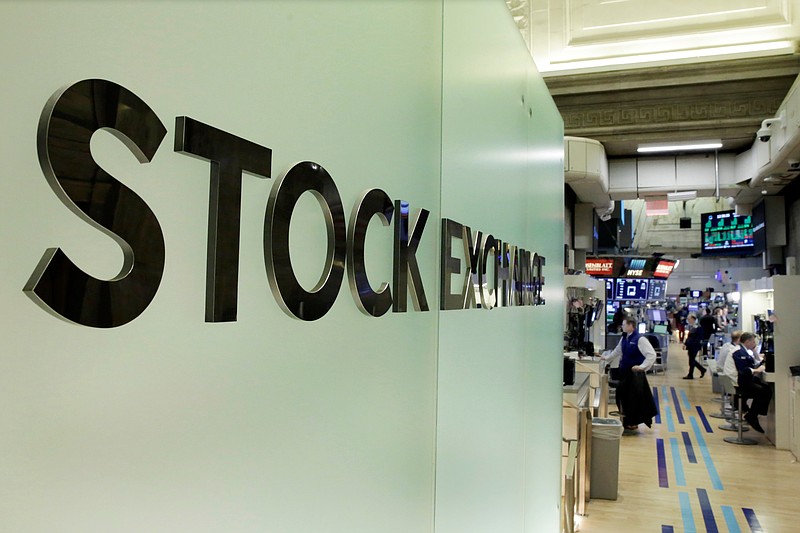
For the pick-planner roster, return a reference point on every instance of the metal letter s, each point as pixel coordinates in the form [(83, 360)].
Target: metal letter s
[(68, 121)]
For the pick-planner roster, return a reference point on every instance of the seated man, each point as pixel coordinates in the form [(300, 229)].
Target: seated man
[(636, 355), (727, 349), (748, 376)]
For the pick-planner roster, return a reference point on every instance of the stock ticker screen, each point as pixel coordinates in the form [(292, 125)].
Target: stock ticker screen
[(725, 233)]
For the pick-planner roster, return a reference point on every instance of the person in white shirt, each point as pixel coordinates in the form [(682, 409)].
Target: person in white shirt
[(636, 355), (725, 362), (727, 349)]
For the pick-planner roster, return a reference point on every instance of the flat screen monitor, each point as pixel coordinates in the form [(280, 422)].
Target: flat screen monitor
[(636, 267), (657, 289), (631, 289), (642, 328), (726, 233), (660, 328), (601, 267), (696, 294), (693, 308), (657, 315), (609, 289), (664, 268)]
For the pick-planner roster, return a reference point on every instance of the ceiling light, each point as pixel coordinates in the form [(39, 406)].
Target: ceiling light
[(677, 147), (681, 196)]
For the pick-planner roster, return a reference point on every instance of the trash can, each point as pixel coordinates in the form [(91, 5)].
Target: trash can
[(604, 469)]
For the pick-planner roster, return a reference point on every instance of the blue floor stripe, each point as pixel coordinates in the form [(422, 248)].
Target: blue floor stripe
[(716, 482), (708, 512), (664, 395), (687, 441), (686, 513), (685, 399), (752, 521), (658, 410), (667, 529), (677, 462), (677, 405), (663, 481), (704, 420), (668, 416), (730, 519)]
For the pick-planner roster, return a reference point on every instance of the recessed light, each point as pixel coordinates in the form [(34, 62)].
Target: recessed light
[(679, 146)]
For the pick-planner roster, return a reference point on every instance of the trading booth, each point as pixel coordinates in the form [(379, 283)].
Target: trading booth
[(637, 287)]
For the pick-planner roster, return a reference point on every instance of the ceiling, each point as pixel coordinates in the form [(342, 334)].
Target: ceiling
[(721, 67), (724, 100), (625, 72)]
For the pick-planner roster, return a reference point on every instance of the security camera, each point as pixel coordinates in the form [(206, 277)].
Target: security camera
[(765, 133), (604, 212)]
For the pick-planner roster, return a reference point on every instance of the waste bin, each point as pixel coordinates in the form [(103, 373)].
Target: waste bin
[(604, 470)]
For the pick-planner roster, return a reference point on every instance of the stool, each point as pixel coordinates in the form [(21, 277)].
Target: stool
[(726, 410), (738, 439)]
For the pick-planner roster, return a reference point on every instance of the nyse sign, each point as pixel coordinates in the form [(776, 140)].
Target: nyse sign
[(496, 273)]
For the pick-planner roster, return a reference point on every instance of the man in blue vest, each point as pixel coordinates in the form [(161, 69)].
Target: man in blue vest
[(749, 378), (636, 355)]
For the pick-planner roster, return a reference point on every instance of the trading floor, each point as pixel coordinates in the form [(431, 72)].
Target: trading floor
[(680, 476)]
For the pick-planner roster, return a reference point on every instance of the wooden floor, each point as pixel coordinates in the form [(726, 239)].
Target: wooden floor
[(705, 485)]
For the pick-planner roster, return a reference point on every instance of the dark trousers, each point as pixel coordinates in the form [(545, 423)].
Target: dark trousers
[(692, 351), (761, 393)]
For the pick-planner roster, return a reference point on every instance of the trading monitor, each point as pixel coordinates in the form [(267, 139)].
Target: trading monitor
[(657, 315), (725, 233)]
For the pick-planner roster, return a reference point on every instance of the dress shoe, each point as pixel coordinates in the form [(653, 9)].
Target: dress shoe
[(752, 419), (703, 372), (688, 377)]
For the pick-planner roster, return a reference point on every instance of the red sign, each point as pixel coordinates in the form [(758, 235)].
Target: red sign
[(664, 269), (600, 267)]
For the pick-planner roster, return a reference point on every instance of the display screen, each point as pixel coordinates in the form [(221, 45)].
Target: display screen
[(725, 233), (696, 294), (636, 267), (663, 268), (609, 289), (657, 290), (600, 266), (631, 289), (657, 315)]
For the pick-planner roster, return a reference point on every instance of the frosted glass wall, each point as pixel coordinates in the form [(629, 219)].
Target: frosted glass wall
[(499, 416), (270, 423)]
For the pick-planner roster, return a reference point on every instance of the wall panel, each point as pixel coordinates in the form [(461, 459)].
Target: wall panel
[(266, 423)]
